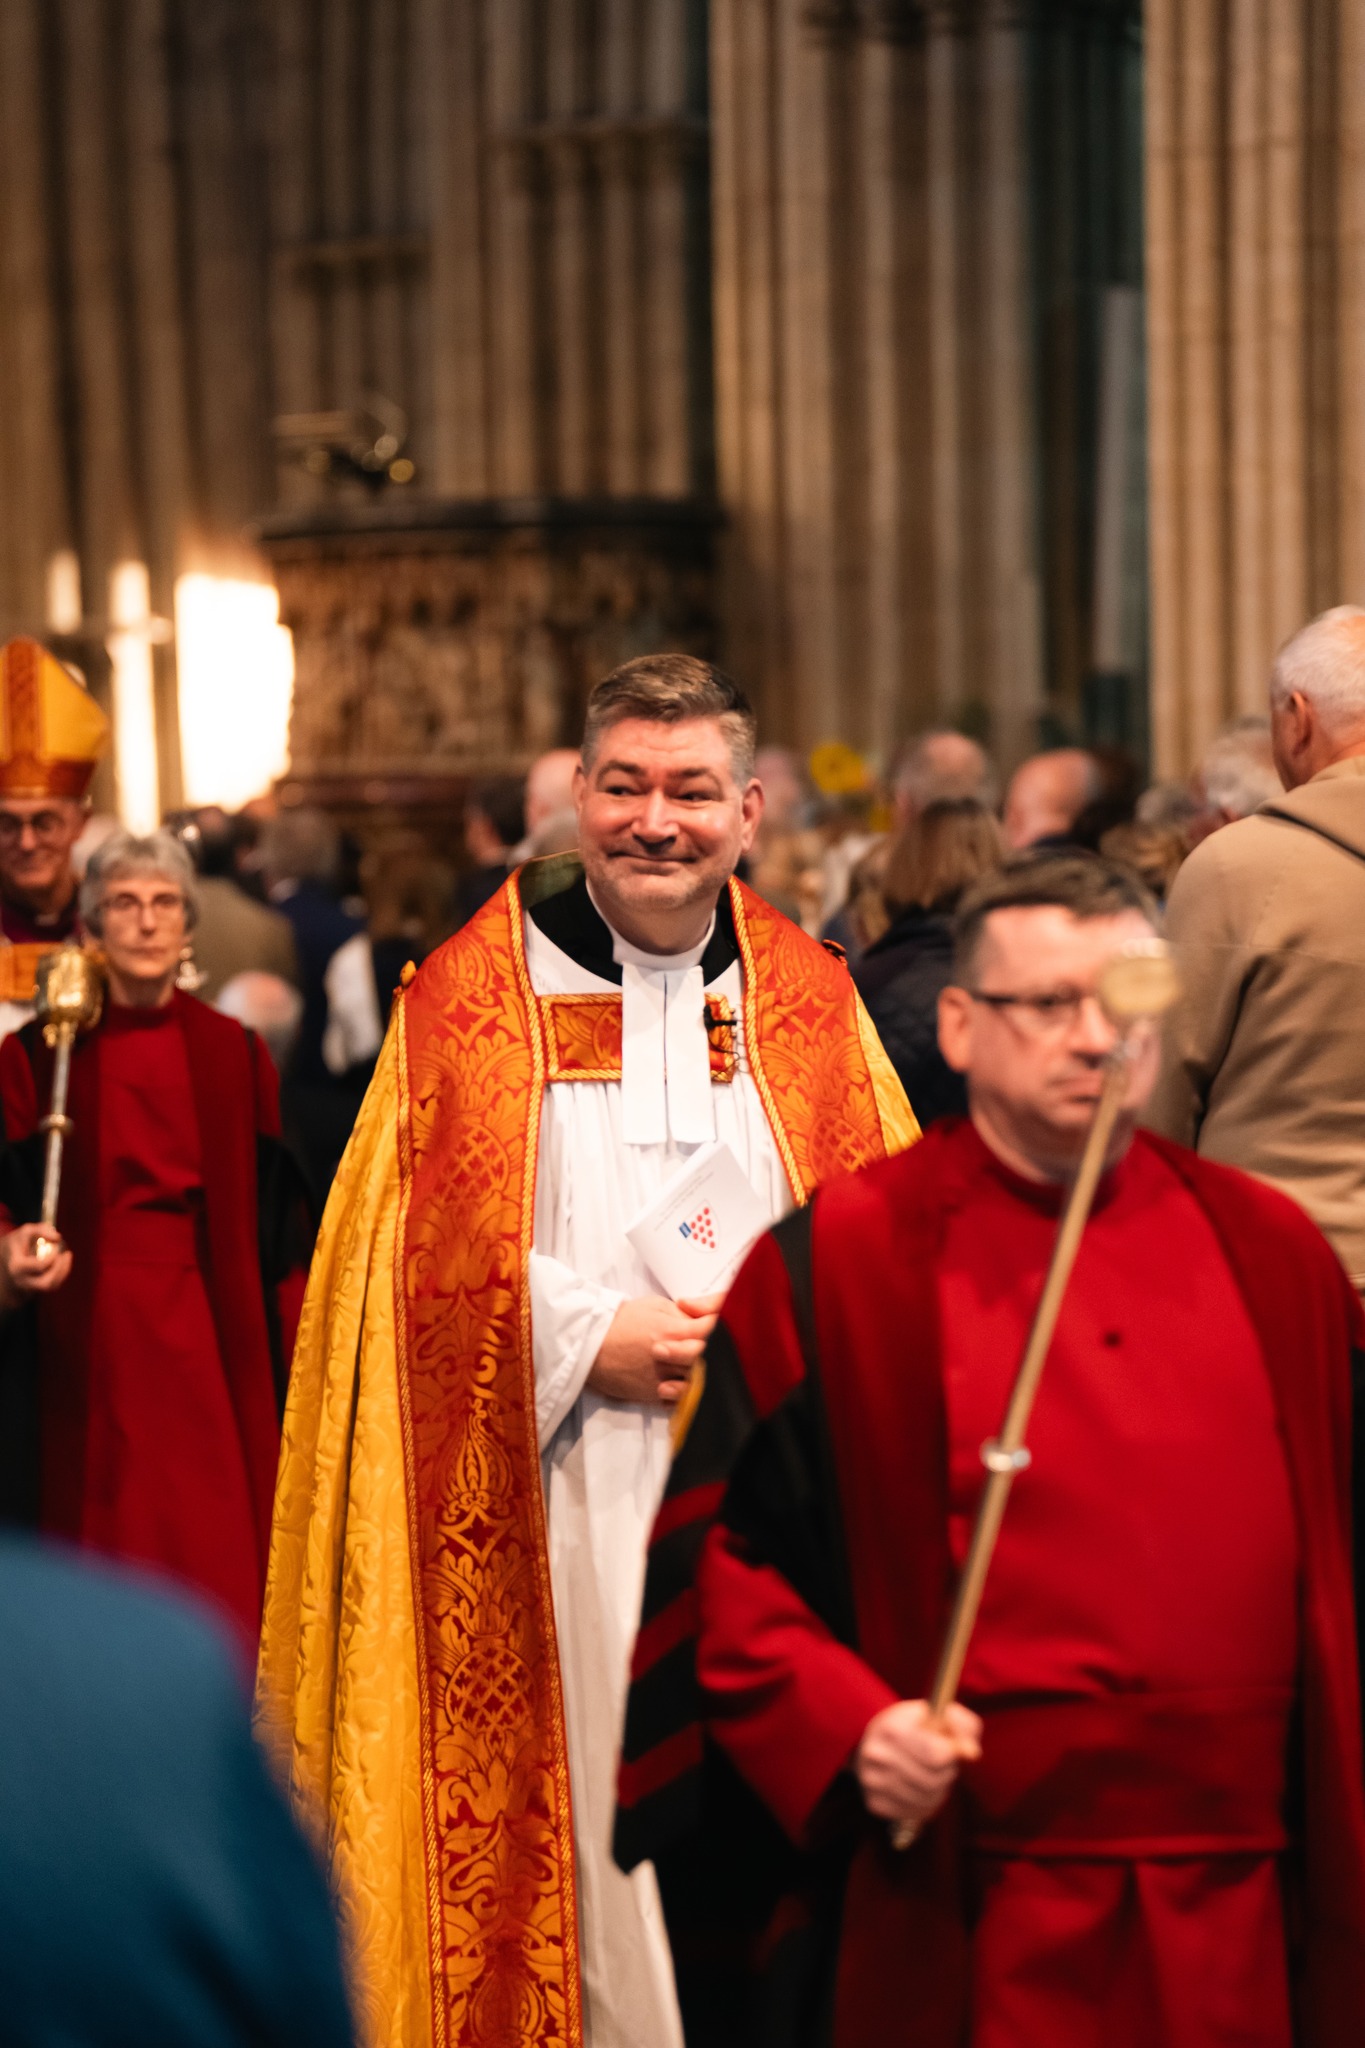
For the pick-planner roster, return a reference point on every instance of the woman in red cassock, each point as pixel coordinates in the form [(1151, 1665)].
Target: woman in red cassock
[(155, 1334)]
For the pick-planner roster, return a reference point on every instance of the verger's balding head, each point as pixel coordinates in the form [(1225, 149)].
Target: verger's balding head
[(940, 767), (1047, 794)]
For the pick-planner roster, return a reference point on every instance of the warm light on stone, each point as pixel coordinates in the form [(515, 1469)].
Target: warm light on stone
[(130, 653), (236, 669)]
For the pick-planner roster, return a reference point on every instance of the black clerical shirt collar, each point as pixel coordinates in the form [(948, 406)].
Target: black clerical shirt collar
[(572, 922)]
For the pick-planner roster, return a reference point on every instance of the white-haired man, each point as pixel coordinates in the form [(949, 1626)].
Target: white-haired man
[(1265, 1064)]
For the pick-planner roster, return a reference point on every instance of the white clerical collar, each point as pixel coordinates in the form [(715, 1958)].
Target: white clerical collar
[(665, 1053)]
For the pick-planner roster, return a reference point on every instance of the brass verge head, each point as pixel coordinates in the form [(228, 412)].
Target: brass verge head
[(70, 992), (1139, 983)]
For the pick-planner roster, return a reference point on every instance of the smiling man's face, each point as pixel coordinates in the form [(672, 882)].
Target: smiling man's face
[(662, 824)]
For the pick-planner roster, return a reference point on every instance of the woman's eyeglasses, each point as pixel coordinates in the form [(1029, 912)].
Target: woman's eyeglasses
[(163, 906)]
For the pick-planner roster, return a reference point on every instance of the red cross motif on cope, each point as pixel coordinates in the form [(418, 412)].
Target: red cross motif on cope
[(701, 1227)]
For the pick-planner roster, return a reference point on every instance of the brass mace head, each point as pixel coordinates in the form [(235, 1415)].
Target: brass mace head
[(70, 992), (1139, 984)]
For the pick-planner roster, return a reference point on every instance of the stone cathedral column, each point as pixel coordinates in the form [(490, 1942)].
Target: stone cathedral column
[(944, 261), (1014, 689), (1255, 131), (877, 432)]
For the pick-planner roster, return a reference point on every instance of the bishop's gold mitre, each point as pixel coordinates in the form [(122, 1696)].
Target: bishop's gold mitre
[(52, 732)]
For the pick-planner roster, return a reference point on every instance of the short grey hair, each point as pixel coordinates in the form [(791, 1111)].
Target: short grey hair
[(125, 854), (266, 1004), (1084, 884), (1325, 662), (669, 689), (1238, 769)]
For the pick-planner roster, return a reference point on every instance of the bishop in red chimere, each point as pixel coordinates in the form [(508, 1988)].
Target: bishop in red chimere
[(1143, 1824), (144, 1353), (52, 736)]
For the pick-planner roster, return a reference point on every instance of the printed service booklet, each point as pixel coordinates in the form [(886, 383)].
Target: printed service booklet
[(696, 1231)]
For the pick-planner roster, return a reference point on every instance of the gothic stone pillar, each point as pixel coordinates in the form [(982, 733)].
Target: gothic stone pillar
[(1256, 323)]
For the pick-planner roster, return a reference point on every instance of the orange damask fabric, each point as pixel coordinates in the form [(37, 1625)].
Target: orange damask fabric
[(583, 1038), (499, 1846), (805, 1048), (19, 971)]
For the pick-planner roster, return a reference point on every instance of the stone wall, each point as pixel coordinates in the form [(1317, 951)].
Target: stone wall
[(918, 211), (237, 237), (466, 640), (836, 268), (494, 213), (1256, 269), (135, 374)]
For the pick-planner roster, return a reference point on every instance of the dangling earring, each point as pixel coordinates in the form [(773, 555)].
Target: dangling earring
[(188, 978)]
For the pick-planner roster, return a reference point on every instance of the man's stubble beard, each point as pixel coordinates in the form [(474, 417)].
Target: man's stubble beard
[(694, 886)]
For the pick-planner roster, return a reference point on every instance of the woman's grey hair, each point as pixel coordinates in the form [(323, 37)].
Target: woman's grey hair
[(125, 854), (1238, 768)]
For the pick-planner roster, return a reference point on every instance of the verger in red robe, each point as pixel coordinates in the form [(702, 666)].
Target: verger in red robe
[(1164, 1844), (160, 1363)]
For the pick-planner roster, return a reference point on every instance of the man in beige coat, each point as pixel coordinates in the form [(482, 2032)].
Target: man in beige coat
[(1265, 1057)]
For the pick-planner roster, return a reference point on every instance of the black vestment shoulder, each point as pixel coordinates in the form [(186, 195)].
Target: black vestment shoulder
[(570, 920)]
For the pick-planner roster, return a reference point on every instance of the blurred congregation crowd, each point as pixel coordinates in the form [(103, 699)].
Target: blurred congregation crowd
[(302, 937)]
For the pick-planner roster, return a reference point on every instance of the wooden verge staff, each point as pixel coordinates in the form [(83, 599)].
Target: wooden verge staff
[(1137, 986), (70, 997)]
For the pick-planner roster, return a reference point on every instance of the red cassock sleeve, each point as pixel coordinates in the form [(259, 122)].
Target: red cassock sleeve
[(18, 1103), (786, 1701)]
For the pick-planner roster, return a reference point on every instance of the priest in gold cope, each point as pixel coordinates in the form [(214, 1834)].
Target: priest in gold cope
[(478, 1428)]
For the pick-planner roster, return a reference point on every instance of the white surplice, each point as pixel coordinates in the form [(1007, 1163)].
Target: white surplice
[(14, 1016), (605, 1462)]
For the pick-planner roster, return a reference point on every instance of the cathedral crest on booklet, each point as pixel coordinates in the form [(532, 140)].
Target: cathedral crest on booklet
[(694, 1234), (700, 1228)]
